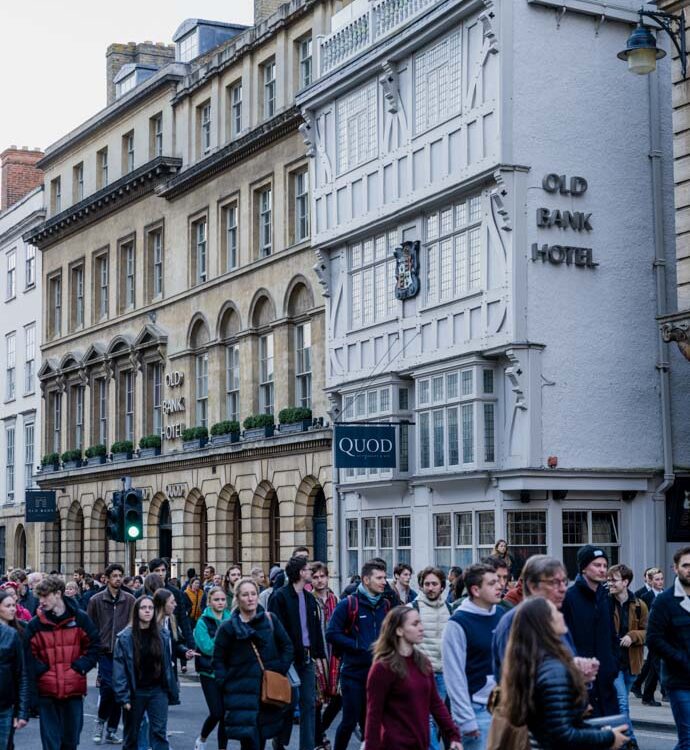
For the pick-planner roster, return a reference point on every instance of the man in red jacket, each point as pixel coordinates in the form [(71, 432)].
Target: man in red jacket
[(64, 647)]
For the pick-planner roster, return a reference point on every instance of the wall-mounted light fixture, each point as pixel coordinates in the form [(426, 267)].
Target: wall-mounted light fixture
[(641, 52)]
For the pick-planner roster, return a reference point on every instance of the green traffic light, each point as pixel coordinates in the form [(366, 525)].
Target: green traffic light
[(132, 532)]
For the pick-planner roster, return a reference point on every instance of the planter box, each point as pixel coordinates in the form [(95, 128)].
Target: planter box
[(119, 457), (48, 468), (194, 445), (229, 437), (149, 452), (301, 426), (95, 460), (69, 465), (258, 433)]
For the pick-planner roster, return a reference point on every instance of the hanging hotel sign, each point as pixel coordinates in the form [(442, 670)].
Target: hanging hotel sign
[(41, 506), (564, 253), (364, 446), (407, 270)]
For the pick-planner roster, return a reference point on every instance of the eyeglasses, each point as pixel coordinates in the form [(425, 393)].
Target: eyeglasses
[(555, 582)]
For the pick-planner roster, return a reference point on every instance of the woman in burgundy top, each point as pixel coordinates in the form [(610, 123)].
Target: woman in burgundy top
[(401, 691)]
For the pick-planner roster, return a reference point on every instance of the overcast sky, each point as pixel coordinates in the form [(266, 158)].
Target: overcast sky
[(52, 56)]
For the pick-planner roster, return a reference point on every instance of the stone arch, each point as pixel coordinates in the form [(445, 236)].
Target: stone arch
[(225, 535), (198, 333), (299, 298), (266, 527), (159, 528), (262, 311), (20, 560), (99, 551), (195, 530), (311, 513), (229, 322), (74, 557)]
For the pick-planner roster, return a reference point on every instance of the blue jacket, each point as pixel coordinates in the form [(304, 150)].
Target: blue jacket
[(124, 674), (355, 644), (239, 676), (589, 617), (668, 636)]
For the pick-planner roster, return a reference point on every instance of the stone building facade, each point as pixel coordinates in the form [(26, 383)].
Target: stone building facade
[(179, 292), (517, 178), (20, 395)]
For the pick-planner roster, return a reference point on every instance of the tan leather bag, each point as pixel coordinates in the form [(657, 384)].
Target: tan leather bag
[(502, 734), (275, 687)]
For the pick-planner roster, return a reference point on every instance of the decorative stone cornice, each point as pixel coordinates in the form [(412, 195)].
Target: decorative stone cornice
[(113, 197), (258, 139)]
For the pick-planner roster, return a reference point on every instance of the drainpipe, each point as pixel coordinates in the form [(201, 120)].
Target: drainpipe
[(662, 364)]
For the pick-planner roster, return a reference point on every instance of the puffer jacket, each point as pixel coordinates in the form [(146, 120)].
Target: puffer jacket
[(434, 615), (63, 649), (557, 723), (204, 638), (238, 674), (124, 673), (14, 673)]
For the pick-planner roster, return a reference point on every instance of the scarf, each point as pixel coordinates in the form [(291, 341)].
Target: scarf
[(373, 599)]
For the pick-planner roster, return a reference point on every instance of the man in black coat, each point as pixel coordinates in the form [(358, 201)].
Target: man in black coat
[(588, 614), (298, 612)]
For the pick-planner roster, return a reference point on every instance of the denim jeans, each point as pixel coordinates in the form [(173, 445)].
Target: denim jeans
[(623, 683), (305, 697), (6, 723), (680, 706), (354, 692), (108, 708), (434, 742), (60, 722), (484, 721), (153, 702)]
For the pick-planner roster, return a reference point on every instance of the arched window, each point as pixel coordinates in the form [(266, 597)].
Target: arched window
[(299, 303), (237, 532), (198, 341), (20, 548), (274, 531), (320, 527), (165, 531), (203, 534)]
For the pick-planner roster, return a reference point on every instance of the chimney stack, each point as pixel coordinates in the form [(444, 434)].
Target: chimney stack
[(145, 53), (264, 8), (19, 174)]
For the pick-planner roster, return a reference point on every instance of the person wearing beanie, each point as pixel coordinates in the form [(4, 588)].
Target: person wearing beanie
[(276, 578), (589, 616)]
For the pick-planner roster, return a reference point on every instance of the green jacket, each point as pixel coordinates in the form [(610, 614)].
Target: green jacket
[(204, 637)]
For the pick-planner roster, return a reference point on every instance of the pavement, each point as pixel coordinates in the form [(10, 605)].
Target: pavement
[(652, 717)]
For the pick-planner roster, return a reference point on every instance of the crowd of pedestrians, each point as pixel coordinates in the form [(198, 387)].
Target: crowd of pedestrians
[(469, 659)]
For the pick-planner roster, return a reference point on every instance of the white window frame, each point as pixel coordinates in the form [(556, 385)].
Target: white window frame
[(129, 142), (29, 437), (11, 366), (157, 398), (29, 358), (30, 267), (303, 364), (236, 109), (265, 222), (129, 405), (205, 122), (269, 87), (79, 296), (103, 166), (266, 373), (157, 263), (201, 389), (230, 214), (9, 463), (371, 265), (232, 382), (102, 397), (301, 205), (79, 181), (11, 274), (103, 272), (200, 251), (57, 421), (158, 135), (305, 61)]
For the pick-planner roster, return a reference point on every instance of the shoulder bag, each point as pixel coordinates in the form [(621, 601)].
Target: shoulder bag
[(275, 687)]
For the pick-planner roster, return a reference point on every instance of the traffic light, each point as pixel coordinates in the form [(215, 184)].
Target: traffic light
[(114, 528), (133, 515)]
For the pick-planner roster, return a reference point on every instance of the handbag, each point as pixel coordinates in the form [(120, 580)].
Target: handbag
[(275, 687), (606, 722), (502, 734)]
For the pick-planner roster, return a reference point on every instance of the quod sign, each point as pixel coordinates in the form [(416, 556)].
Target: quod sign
[(365, 446)]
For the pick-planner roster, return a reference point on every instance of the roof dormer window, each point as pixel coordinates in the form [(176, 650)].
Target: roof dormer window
[(188, 46), (126, 84), (130, 76)]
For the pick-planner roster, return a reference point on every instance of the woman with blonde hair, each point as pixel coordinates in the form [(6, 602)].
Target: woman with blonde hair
[(401, 689), (248, 643)]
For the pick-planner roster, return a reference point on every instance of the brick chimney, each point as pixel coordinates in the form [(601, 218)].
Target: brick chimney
[(264, 8), (145, 53), (19, 174)]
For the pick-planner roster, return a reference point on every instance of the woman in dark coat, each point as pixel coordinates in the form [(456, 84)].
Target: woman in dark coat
[(542, 688), (238, 672)]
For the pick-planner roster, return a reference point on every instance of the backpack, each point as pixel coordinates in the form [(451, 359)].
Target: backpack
[(352, 622)]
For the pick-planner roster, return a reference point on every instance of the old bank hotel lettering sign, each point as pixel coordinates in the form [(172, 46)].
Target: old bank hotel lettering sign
[(174, 406), (566, 252)]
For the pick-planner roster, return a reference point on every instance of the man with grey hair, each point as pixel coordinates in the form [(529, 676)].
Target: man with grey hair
[(546, 577)]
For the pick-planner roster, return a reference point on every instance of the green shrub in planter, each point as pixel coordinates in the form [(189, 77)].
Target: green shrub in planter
[(150, 441), (73, 455), (226, 427), (294, 414), (258, 420), (122, 446), (95, 450), (194, 433), (50, 459)]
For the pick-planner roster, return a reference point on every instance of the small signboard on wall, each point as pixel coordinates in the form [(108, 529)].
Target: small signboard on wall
[(678, 511), (41, 506), (364, 446)]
